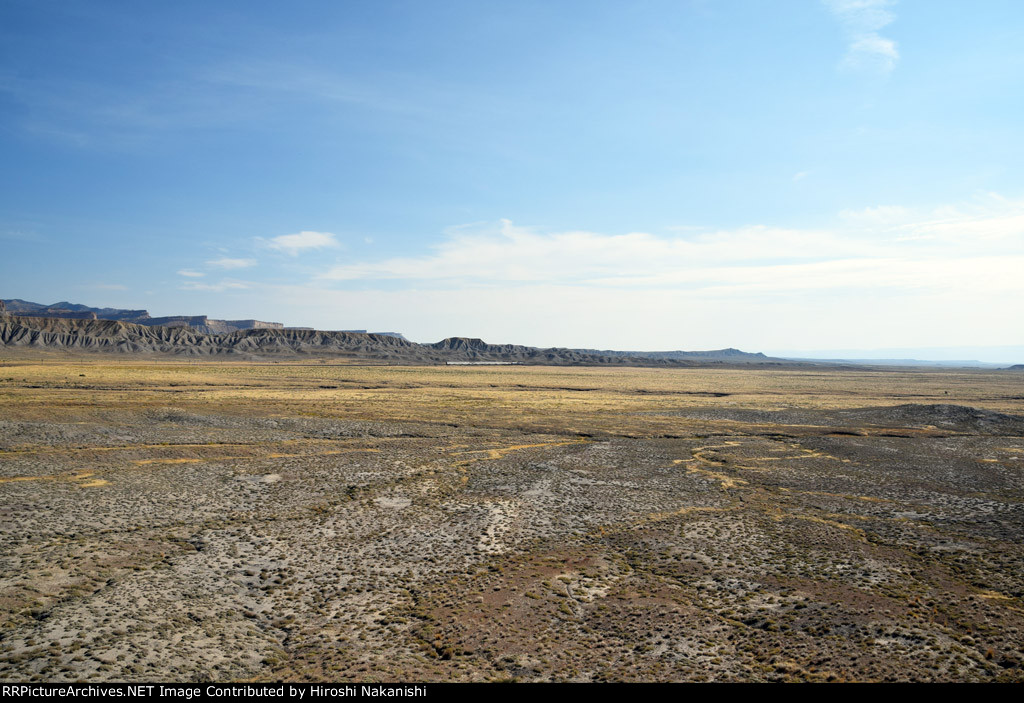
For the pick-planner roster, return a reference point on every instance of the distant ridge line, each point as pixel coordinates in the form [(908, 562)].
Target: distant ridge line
[(65, 310), (19, 331)]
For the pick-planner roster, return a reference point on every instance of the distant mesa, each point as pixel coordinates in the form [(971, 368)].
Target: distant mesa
[(69, 326), (1016, 367), (200, 323), (720, 354), (385, 334), (73, 311)]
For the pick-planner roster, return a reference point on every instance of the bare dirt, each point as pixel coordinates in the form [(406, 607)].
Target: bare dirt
[(214, 521)]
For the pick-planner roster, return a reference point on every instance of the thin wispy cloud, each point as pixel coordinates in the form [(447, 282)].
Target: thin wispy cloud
[(884, 270), (189, 273), (218, 287), (20, 236), (887, 246), (89, 114), (507, 253), (862, 20), (308, 81), (227, 263), (300, 242)]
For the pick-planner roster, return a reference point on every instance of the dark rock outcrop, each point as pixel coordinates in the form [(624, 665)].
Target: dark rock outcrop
[(956, 418)]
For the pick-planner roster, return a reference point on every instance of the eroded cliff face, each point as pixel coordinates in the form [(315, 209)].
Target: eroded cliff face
[(111, 335), (17, 331), (73, 311)]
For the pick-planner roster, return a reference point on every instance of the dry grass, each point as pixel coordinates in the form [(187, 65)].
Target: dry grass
[(169, 520), (580, 399)]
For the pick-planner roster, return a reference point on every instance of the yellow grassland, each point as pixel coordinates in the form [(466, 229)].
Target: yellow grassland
[(625, 401)]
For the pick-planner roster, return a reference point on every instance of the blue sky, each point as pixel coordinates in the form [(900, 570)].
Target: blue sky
[(799, 174)]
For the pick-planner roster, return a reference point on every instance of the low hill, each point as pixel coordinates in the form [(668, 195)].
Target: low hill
[(730, 354)]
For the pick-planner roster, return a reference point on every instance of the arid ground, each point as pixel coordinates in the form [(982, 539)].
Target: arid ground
[(168, 520)]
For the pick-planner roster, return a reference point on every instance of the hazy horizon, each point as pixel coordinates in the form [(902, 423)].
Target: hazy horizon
[(986, 355), (823, 175)]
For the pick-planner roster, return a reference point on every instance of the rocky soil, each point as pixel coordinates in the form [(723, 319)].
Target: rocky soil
[(318, 537)]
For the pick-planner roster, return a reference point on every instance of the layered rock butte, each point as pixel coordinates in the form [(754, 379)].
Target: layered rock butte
[(84, 330)]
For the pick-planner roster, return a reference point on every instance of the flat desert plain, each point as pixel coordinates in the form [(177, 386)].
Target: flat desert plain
[(168, 520)]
